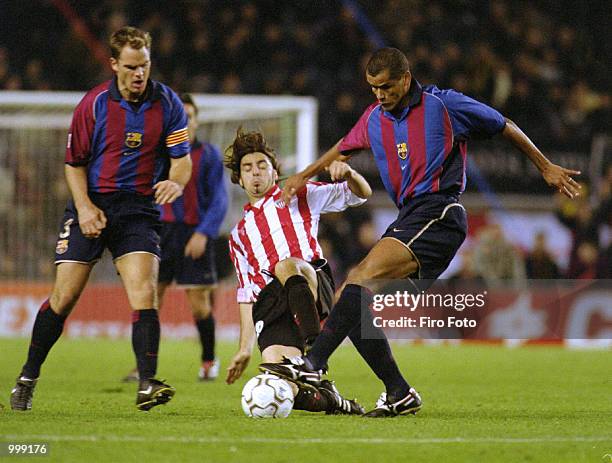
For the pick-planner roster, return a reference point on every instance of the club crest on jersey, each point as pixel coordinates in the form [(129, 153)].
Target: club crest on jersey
[(402, 150), (133, 139), (61, 247)]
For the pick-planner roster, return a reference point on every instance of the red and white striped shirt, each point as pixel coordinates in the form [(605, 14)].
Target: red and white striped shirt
[(269, 232)]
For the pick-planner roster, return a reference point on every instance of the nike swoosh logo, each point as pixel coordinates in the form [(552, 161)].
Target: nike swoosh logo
[(146, 391), (398, 230), (403, 167)]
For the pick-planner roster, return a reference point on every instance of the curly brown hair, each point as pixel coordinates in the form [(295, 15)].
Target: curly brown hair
[(247, 143)]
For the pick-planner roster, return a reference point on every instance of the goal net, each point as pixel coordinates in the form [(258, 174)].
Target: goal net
[(33, 133)]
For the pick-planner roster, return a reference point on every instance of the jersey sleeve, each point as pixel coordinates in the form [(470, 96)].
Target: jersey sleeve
[(331, 197), (78, 147), (471, 118), (244, 293), (357, 138), (177, 137), (213, 204)]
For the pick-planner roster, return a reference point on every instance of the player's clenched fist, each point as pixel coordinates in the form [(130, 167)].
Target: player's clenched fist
[(91, 221), (167, 191)]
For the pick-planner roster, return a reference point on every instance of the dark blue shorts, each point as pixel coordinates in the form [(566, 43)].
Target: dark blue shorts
[(433, 228), (132, 226), (185, 270)]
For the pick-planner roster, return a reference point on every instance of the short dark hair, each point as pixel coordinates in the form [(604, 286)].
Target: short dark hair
[(388, 58), (247, 143), (186, 98), (131, 36)]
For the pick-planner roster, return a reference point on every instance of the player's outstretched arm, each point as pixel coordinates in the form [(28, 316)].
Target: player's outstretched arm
[(339, 170), (247, 339), (167, 191), (298, 181), (91, 219), (554, 175)]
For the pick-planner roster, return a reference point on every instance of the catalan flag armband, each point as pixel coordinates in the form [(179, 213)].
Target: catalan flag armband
[(177, 137)]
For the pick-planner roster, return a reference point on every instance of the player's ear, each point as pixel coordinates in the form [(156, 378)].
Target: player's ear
[(240, 182), (114, 65), (408, 79), (275, 176)]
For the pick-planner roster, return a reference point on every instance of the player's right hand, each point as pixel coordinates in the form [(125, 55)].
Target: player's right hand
[(292, 185), (167, 191), (237, 366), (561, 179), (91, 221)]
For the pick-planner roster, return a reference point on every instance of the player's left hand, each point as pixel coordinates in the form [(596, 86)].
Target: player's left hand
[(561, 178), (339, 171), (167, 191), (237, 366), (196, 245), (291, 187)]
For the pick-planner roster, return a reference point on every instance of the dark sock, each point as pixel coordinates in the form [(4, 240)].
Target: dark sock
[(303, 307), (206, 329), (342, 319), (145, 341), (376, 351), (377, 354), (313, 401), (47, 329)]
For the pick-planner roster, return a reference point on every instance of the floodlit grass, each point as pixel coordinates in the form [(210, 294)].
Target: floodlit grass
[(481, 403)]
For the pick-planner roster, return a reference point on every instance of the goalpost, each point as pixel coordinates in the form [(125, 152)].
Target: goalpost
[(33, 133)]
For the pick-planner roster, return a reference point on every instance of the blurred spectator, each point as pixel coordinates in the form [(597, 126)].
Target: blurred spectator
[(585, 262), (539, 262), (579, 218), (495, 258), (467, 272), (531, 62)]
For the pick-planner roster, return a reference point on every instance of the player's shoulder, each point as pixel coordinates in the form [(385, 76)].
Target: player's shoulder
[(165, 93), (324, 188), (92, 95), (446, 96), (238, 232), (98, 89), (371, 109), (313, 185), (436, 91)]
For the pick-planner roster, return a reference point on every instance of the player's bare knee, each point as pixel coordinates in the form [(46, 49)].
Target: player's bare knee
[(62, 302), (201, 313), (289, 267), (200, 302), (142, 295)]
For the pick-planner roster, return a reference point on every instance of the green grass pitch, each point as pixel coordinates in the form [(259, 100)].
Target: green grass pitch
[(481, 403)]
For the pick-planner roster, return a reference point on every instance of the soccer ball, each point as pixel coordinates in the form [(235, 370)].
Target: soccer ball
[(267, 396)]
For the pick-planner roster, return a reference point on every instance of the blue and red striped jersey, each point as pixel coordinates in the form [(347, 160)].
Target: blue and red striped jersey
[(204, 201), (124, 145), (423, 149)]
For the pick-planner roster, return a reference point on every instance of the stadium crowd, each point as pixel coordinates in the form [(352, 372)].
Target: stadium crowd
[(541, 63)]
